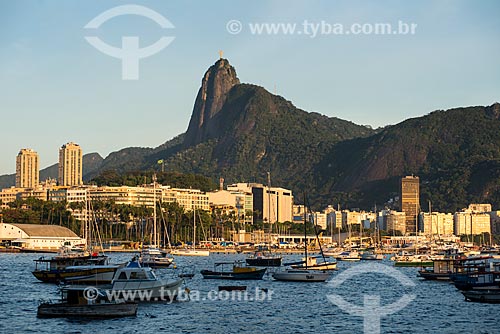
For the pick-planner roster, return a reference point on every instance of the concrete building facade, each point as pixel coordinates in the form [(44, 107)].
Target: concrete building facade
[(27, 169)]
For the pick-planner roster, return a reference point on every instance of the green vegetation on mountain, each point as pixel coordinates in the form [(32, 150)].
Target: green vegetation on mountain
[(173, 179)]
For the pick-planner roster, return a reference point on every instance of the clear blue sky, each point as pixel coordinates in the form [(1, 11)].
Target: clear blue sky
[(55, 87)]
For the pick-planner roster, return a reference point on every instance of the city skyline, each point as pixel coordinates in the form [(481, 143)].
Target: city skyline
[(76, 93)]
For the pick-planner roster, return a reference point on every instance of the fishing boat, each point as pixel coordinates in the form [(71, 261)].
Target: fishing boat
[(304, 274), (444, 268), (236, 271), (63, 266), (264, 258), (75, 303), (483, 296), (135, 282), (477, 273)]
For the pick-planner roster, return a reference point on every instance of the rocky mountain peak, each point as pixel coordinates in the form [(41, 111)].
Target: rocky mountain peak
[(215, 85)]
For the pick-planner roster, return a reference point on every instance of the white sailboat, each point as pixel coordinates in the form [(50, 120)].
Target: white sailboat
[(303, 274), (152, 256), (191, 251)]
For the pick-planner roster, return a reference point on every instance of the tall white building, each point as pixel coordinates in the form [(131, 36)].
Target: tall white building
[(27, 169), (70, 165)]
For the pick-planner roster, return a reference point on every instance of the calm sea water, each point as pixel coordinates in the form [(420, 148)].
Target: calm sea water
[(288, 307)]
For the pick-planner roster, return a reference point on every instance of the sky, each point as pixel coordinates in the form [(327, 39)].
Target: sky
[(55, 87)]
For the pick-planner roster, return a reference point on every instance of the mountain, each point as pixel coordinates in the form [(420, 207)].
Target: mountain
[(91, 163), (241, 131), (456, 154)]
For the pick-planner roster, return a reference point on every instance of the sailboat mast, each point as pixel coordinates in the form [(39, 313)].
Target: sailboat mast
[(305, 229), (194, 226), (155, 235)]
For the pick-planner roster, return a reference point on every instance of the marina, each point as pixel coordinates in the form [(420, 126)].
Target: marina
[(441, 304)]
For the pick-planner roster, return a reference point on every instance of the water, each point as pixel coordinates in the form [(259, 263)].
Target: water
[(287, 308)]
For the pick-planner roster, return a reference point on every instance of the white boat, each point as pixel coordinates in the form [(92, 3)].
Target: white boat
[(155, 258), (301, 275), (191, 251), (348, 256), (371, 256), (304, 274), (134, 282)]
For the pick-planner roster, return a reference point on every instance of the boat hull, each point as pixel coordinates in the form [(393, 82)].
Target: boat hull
[(482, 296), (264, 261), (413, 263), (106, 310), (231, 275), (96, 275), (190, 252), (145, 291), (301, 276)]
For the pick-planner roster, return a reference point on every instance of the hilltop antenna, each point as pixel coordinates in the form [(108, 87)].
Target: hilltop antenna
[(220, 54)]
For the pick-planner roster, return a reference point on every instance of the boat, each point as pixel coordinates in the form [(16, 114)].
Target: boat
[(313, 264), (477, 273), (155, 258), (191, 251), (237, 271), (264, 258), (371, 256), (444, 268), (75, 303), (135, 282), (303, 274), (412, 260), (351, 256), (58, 268), (483, 296), (152, 256)]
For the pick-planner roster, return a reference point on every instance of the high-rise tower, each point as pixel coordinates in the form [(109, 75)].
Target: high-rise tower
[(70, 165), (27, 169), (410, 204)]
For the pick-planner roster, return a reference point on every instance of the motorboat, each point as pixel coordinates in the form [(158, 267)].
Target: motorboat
[(236, 271), (135, 282), (58, 268), (155, 258), (348, 256), (264, 258), (75, 302)]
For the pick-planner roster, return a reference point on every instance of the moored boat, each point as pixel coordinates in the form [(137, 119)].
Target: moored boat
[(75, 303), (236, 272), (135, 282), (264, 258), (301, 275), (313, 264), (483, 296)]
